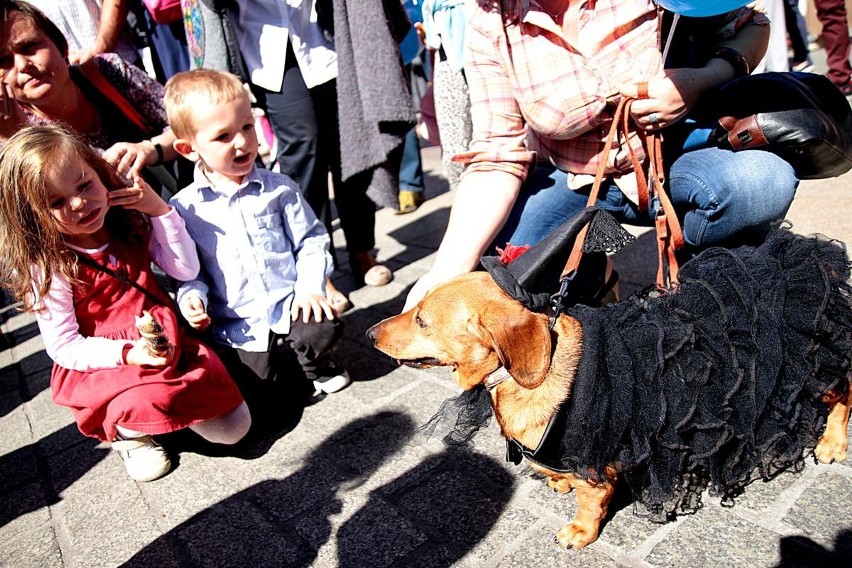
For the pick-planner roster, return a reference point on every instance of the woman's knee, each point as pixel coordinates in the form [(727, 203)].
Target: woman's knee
[(228, 428)]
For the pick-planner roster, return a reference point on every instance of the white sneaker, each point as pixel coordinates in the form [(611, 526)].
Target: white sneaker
[(332, 383), (144, 459)]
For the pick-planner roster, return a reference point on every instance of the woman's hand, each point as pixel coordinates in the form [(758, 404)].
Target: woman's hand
[(670, 97), (139, 355), (309, 305), (129, 158), (12, 118), (140, 197)]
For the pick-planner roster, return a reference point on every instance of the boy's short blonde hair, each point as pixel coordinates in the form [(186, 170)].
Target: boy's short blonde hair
[(188, 90)]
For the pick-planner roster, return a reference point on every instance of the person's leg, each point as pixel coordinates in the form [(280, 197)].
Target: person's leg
[(356, 211), (293, 117), (729, 198), (410, 175), (452, 113), (229, 428), (835, 37), (798, 35), (545, 202)]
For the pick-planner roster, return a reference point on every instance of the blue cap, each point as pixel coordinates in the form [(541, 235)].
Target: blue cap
[(701, 8)]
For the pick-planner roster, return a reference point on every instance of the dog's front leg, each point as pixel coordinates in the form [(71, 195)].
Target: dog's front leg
[(592, 503), (833, 442)]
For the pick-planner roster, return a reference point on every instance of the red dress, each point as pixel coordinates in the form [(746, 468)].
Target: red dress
[(194, 387)]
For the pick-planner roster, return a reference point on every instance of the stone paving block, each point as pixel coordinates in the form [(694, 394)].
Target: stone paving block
[(105, 517), (466, 502), (52, 425), (360, 530), (18, 466), (235, 532), (23, 510), (538, 547), (823, 513), (195, 483), (14, 423), (716, 538), (37, 548), (10, 375), (761, 494)]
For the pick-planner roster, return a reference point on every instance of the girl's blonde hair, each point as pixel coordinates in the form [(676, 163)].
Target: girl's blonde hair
[(29, 237), (187, 90)]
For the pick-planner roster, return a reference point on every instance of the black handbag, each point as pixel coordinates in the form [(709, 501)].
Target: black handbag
[(801, 117)]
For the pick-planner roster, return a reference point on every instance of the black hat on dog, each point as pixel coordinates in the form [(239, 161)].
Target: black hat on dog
[(534, 276)]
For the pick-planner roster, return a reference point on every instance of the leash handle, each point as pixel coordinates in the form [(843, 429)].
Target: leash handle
[(650, 189)]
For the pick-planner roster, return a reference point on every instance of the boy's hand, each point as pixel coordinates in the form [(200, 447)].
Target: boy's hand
[(311, 304), (192, 309), (139, 355), (140, 197)]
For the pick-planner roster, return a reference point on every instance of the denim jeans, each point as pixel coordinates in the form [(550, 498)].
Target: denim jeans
[(411, 169), (721, 198)]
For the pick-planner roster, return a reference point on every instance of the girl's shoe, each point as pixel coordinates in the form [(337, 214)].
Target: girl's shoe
[(144, 459), (409, 201)]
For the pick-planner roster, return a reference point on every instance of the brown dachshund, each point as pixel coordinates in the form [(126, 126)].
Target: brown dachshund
[(470, 324)]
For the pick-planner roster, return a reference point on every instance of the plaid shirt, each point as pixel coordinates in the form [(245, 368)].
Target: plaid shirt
[(536, 97)]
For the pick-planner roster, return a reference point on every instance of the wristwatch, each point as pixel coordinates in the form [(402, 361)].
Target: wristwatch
[(735, 58)]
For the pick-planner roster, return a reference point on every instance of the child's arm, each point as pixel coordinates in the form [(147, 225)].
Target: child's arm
[(310, 245), (192, 302), (170, 245), (60, 333)]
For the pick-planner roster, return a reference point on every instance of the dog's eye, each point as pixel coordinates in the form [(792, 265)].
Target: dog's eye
[(419, 321)]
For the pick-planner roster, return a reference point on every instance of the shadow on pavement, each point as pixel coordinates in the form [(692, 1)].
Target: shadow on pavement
[(24, 487), (802, 552), (436, 511)]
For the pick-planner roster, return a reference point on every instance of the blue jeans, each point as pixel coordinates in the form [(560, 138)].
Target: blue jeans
[(411, 169), (721, 198)]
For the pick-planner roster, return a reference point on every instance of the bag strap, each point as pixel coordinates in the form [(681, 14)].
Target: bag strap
[(107, 270), (669, 233), (93, 73)]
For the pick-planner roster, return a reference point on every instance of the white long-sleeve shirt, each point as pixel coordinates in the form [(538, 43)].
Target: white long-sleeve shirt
[(170, 247)]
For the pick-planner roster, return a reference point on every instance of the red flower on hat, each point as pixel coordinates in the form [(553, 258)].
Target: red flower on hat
[(511, 252)]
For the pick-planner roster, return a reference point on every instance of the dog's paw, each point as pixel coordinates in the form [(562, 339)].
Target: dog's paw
[(830, 448), (560, 485), (576, 535)]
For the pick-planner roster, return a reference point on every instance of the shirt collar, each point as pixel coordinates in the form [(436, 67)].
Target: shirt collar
[(203, 185)]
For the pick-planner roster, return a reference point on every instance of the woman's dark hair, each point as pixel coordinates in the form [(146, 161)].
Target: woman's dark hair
[(38, 19)]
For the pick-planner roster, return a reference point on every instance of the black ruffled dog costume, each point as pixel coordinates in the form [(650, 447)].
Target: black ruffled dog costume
[(714, 385)]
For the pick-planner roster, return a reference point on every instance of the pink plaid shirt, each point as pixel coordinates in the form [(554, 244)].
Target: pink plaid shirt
[(536, 97)]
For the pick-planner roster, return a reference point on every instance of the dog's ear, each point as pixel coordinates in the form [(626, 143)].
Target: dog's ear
[(522, 342)]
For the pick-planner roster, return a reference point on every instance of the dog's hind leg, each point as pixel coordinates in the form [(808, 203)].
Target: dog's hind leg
[(833, 442), (592, 503)]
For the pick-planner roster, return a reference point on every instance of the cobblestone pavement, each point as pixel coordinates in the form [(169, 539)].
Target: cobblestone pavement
[(344, 482)]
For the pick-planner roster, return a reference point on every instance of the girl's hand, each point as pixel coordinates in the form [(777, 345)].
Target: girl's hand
[(129, 158), (193, 311), (139, 355), (311, 304), (140, 197)]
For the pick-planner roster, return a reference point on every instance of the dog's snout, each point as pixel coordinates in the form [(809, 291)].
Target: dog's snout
[(371, 335)]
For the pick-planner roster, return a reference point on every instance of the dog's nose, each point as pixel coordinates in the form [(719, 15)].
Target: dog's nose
[(371, 335)]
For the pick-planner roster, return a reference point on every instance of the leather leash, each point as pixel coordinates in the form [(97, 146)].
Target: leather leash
[(668, 230)]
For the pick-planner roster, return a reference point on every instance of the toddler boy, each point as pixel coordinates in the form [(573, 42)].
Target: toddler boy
[(264, 254)]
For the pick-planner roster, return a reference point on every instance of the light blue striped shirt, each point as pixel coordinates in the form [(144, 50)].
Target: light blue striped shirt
[(259, 245)]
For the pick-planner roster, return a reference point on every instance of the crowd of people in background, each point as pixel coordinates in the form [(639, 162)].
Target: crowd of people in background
[(280, 117)]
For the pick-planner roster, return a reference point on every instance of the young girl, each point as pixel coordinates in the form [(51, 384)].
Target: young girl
[(77, 246)]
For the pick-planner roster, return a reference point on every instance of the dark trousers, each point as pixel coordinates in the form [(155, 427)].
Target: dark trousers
[(306, 128), (835, 38), (310, 343)]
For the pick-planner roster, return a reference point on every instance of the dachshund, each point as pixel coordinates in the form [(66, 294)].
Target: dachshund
[(473, 326)]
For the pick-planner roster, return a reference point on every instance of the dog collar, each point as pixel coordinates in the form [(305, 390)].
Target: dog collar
[(496, 377)]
